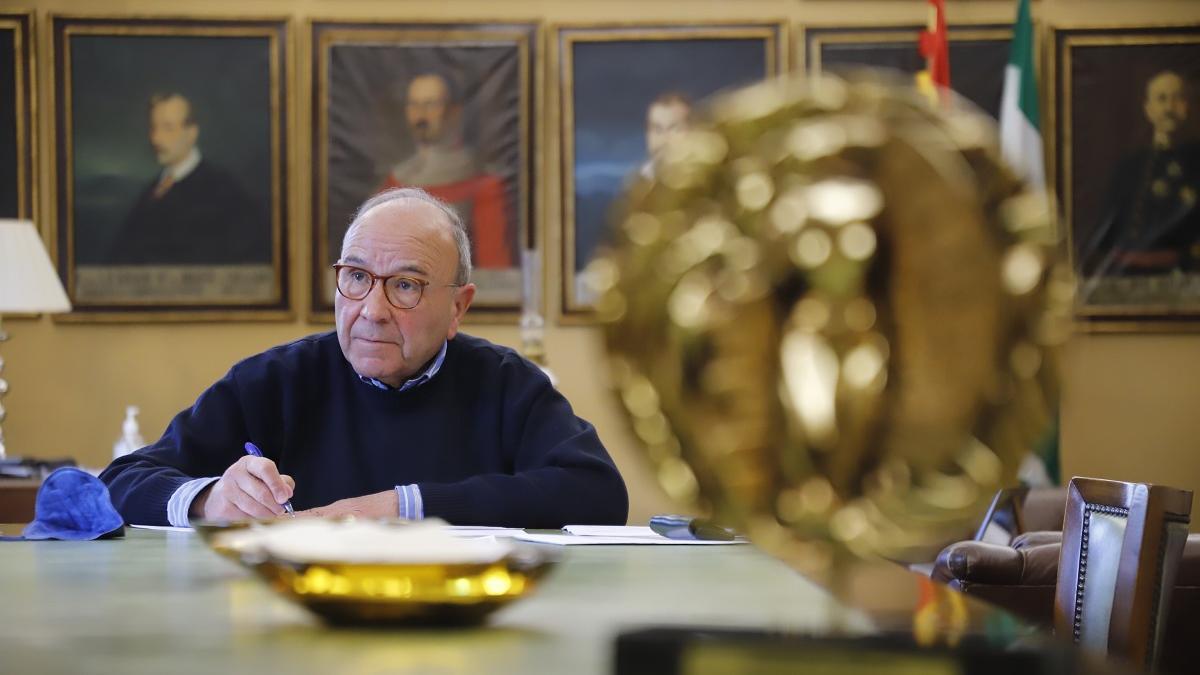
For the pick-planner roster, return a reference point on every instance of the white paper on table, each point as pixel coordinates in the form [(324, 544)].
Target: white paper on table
[(482, 531), (453, 530), (638, 532), (612, 531), (166, 528), (641, 536)]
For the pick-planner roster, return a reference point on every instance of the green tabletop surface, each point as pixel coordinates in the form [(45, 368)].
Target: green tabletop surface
[(162, 602)]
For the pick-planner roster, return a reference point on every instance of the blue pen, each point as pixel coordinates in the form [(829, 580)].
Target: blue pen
[(687, 527), (252, 449)]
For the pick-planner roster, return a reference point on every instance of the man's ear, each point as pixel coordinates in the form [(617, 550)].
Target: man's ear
[(193, 133), (462, 301)]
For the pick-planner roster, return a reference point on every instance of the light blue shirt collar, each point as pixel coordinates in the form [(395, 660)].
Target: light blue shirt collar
[(416, 381)]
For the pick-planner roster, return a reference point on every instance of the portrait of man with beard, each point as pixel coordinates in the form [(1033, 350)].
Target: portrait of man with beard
[(446, 167)]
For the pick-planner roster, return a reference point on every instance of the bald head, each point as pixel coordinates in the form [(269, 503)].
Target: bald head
[(448, 217)]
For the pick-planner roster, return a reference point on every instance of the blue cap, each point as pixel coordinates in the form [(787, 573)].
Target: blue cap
[(73, 504)]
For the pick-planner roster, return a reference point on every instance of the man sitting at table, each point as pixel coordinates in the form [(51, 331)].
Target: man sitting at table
[(396, 413)]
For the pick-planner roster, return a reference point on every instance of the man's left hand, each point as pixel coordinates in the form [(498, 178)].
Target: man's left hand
[(379, 505)]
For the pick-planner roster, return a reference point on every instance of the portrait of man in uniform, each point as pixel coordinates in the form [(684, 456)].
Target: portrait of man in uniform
[(1128, 169), (445, 108), (1150, 224)]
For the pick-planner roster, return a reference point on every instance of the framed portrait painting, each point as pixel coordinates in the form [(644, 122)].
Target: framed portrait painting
[(624, 92), (170, 167), (978, 55), (1127, 172), (17, 178), (446, 107)]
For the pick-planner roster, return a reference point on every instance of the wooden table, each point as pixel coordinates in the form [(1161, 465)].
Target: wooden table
[(161, 602)]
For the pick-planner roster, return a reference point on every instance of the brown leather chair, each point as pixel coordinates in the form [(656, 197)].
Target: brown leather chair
[(1022, 581), (1152, 522), (1120, 551)]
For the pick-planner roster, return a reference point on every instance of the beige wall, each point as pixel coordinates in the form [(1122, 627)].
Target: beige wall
[(1130, 403)]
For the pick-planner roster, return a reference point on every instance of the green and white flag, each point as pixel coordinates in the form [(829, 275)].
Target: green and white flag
[(1021, 146), (1020, 137)]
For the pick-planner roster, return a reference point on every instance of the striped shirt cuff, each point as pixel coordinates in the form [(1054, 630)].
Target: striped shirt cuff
[(181, 501), (410, 506)]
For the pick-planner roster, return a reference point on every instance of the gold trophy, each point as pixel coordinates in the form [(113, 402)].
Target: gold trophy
[(831, 318)]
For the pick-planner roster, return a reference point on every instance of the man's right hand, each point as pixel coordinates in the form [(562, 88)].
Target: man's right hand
[(251, 488)]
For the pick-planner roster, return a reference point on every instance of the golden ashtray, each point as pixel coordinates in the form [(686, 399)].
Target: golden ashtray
[(367, 572)]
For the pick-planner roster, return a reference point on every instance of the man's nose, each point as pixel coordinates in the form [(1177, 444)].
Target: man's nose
[(375, 307)]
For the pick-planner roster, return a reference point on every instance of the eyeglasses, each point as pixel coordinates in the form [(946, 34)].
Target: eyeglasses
[(355, 283)]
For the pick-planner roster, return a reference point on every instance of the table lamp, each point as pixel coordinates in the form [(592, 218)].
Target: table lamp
[(28, 284)]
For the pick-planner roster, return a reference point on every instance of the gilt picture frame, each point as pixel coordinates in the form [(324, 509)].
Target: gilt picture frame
[(978, 55), (171, 167), (446, 107), (623, 90), (1126, 169), (18, 103)]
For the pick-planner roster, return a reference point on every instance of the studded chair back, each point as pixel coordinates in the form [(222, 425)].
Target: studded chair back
[(1121, 547)]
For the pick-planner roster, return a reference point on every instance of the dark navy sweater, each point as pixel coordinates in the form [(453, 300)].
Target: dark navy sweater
[(488, 440)]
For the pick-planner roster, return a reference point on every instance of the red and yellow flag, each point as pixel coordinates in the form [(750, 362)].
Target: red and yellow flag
[(935, 47)]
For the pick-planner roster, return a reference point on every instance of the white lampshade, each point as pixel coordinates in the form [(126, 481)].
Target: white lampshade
[(28, 283)]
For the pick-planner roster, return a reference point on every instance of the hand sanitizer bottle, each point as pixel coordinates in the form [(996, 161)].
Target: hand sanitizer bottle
[(533, 326), (131, 436)]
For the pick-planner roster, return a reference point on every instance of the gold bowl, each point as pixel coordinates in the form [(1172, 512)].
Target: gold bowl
[(350, 571), (386, 593)]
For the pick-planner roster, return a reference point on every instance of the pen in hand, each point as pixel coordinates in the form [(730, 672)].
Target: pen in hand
[(252, 449)]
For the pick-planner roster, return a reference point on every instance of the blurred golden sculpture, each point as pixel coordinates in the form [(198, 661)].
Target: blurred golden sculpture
[(831, 317)]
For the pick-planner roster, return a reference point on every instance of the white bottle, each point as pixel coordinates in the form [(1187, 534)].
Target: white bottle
[(131, 436), (533, 326)]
